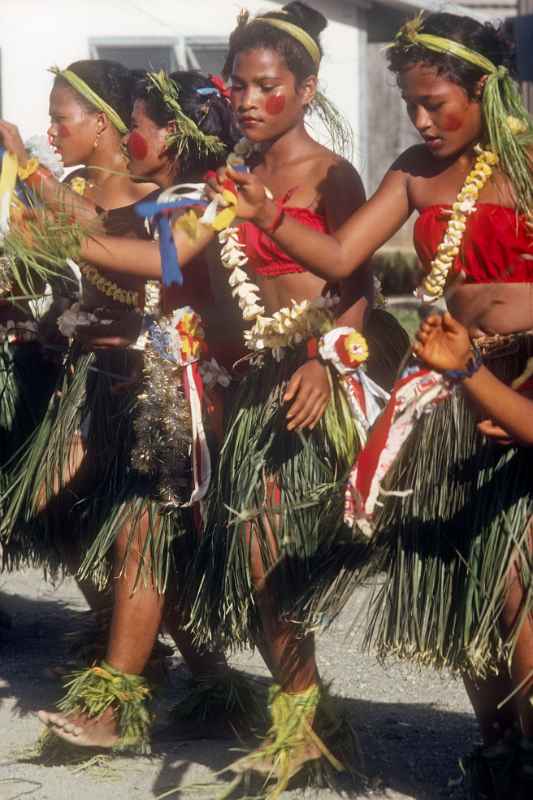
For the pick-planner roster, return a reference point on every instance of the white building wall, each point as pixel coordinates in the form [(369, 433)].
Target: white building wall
[(36, 34)]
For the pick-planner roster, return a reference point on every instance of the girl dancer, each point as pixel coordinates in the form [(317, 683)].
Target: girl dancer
[(275, 513), (456, 549), (90, 105), (138, 437)]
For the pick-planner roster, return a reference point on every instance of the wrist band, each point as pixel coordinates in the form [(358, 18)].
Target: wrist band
[(278, 219), (345, 347), (474, 363)]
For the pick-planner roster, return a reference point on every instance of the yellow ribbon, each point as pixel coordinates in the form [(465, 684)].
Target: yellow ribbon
[(189, 221), (297, 33), (79, 85), (8, 179), (225, 217)]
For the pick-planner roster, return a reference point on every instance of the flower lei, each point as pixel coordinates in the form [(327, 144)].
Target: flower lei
[(434, 283)]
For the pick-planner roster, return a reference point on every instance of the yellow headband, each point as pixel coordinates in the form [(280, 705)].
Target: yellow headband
[(297, 33), (89, 94), (410, 33)]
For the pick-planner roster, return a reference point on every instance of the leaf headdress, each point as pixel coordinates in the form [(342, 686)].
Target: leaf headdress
[(188, 137), (508, 125)]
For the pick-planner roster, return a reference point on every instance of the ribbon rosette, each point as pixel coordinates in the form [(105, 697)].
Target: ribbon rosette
[(345, 347)]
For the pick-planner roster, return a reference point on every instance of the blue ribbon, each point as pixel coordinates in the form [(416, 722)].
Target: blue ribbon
[(160, 214)]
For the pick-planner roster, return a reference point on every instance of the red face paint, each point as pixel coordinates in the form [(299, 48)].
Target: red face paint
[(137, 146), (63, 131), (452, 122), (275, 104)]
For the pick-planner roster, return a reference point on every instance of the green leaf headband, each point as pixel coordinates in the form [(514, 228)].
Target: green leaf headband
[(187, 134), (508, 125), (79, 85)]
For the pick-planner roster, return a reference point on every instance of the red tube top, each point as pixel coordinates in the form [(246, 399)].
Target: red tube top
[(493, 245), (264, 255)]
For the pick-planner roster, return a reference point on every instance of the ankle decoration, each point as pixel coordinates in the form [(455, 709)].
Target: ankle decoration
[(228, 694), (94, 690)]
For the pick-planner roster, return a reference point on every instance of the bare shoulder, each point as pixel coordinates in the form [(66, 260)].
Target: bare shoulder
[(332, 170), (416, 162)]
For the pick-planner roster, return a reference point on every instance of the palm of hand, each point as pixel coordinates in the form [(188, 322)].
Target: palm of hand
[(443, 350)]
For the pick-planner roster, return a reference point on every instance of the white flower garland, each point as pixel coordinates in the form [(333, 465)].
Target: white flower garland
[(434, 283), (39, 147)]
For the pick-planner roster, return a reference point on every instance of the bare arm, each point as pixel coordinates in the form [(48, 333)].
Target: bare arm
[(139, 257), (511, 410), (333, 257), (444, 344), (309, 389)]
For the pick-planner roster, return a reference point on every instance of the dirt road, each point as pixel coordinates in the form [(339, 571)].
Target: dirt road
[(413, 726)]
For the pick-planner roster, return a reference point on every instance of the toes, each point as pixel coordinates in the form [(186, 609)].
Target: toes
[(57, 720), (69, 727), (44, 716)]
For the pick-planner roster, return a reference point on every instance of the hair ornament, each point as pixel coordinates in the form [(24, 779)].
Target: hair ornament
[(243, 18), (207, 91), (220, 84), (501, 101), (187, 135), (79, 85)]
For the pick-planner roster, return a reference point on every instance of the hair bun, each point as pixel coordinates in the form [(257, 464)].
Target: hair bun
[(307, 18)]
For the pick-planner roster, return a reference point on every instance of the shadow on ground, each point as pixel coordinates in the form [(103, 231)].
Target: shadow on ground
[(411, 749)]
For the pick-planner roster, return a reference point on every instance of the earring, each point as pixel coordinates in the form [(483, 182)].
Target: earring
[(98, 134)]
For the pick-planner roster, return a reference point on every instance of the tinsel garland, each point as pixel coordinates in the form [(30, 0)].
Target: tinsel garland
[(163, 430)]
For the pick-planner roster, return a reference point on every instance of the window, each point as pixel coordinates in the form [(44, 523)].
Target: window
[(135, 53), (169, 53), (207, 53)]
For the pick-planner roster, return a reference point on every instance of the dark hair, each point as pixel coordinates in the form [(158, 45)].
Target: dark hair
[(211, 112), (255, 34), (484, 38), (110, 80)]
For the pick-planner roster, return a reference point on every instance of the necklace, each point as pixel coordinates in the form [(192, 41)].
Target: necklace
[(434, 283)]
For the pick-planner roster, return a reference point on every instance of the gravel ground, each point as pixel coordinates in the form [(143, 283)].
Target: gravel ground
[(412, 725)]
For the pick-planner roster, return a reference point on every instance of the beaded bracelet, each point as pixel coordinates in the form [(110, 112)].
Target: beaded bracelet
[(474, 363)]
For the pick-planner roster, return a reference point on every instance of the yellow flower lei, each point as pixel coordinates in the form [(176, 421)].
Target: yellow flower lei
[(434, 283), (109, 288)]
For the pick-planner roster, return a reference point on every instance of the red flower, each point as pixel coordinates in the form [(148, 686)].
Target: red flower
[(219, 84)]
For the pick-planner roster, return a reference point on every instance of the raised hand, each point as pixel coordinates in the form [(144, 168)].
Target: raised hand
[(252, 195), (12, 141), (443, 343)]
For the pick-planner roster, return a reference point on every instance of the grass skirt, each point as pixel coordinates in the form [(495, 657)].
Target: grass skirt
[(276, 491), (27, 379), (97, 404), (446, 547)]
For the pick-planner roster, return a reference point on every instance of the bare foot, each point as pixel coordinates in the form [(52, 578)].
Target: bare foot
[(265, 762), (81, 730)]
